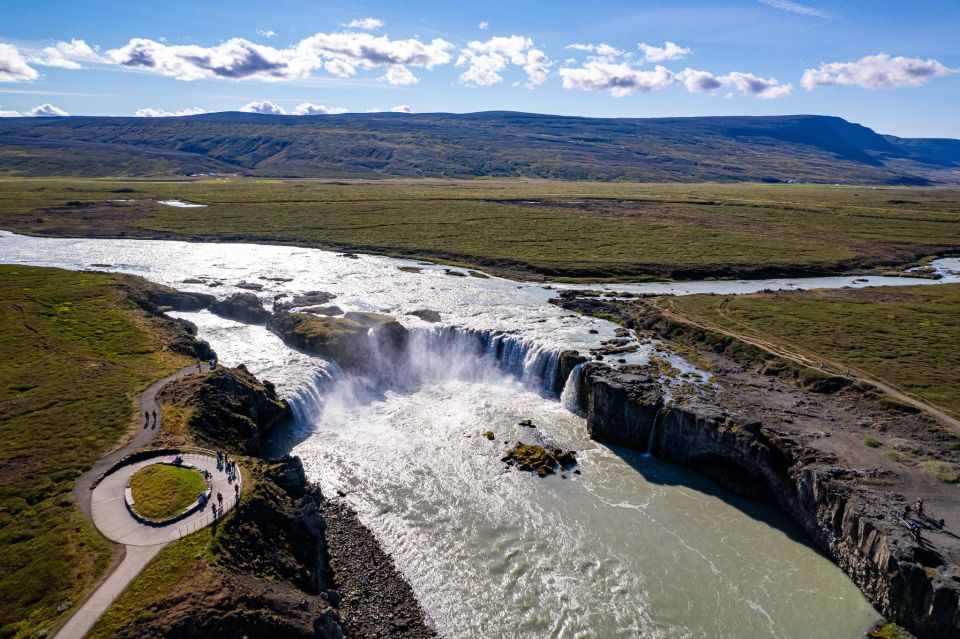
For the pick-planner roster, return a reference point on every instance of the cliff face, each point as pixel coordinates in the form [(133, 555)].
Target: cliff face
[(229, 407), (359, 342), (286, 562), (908, 583)]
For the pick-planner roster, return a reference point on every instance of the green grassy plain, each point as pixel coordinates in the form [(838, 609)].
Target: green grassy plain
[(76, 353), (561, 230), (899, 335), (162, 491)]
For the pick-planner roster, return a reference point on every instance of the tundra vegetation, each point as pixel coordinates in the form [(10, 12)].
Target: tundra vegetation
[(76, 353), (897, 335), (525, 229)]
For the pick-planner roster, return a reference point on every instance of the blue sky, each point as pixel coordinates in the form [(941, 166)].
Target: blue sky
[(893, 66)]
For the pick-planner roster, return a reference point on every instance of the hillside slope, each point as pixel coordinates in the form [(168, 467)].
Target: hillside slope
[(491, 144)]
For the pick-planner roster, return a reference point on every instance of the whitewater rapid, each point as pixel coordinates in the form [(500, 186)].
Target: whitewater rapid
[(632, 547)]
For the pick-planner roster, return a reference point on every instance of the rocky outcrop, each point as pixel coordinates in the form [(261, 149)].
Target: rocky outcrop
[(908, 583), (302, 300), (242, 307), (566, 362), (180, 300), (364, 343), (426, 315), (229, 407), (329, 311)]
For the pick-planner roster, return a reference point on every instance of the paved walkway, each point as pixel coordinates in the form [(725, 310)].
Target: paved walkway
[(145, 434), (112, 518), (106, 507)]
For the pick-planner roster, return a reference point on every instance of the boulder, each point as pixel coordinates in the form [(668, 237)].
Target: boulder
[(329, 311), (180, 300), (301, 300), (242, 307), (426, 315)]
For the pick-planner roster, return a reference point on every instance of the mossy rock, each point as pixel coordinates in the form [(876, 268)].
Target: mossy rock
[(349, 340), (537, 459)]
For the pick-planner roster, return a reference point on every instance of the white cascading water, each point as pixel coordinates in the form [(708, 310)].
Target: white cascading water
[(648, 452), (570, 397), (632, 547)]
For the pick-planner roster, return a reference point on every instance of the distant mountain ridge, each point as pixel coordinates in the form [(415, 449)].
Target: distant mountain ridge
[(801, 148)]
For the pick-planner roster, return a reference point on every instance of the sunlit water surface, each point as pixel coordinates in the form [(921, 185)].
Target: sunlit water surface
[(632, 547)]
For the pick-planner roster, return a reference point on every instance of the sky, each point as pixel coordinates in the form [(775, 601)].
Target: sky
[(891, 65)]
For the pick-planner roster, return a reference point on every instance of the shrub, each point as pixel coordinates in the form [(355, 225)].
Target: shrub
[(873, 443), (947, 472)]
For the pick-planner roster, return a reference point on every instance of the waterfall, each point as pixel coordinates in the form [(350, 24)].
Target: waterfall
[(428, 356), (570, 397), (653, 433), (307, 400), (472, 354)]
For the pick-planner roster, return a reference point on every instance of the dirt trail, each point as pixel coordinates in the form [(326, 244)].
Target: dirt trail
[(841, 370)]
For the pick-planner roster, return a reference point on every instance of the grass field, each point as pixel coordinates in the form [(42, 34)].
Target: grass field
[(903, 336), (185, 559), (162, 491), (75, 355), (563, 230)]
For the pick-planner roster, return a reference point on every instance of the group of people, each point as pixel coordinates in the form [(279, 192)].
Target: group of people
[(228, 466), (212, 362), (913, 524)]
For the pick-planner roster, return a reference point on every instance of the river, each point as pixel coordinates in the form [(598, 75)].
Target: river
[(632, 547)]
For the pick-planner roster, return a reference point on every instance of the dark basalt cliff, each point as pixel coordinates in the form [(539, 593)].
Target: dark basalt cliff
[(286, 562), (910, 584)]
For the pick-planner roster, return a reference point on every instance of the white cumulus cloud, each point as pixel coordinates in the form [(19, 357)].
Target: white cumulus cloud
[(484, 25), (763, 88), (794, 7), (308, 108), (486, 59), (879, 71), (367, 24), (746, 83), (266, 33), (150, 112), (46, 111), (66, 55), (262, 106), (617, 77), (699, 81), (402, 108), (13, 67), (669, 51), (399, 75), (601, 50), (341, 54)]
